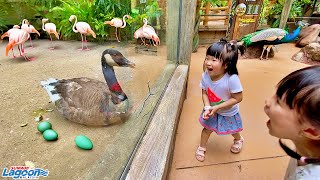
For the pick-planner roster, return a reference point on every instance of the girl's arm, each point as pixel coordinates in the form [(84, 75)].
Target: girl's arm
[(235, 98), (205, 98), (206, 103)]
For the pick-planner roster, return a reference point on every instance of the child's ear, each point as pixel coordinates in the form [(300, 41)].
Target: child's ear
[(311, 133)]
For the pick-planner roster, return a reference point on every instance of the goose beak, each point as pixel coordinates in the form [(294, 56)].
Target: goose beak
[(129, 63)]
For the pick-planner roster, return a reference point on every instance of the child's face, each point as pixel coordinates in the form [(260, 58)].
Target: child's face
[(214, 66), (283, 122)]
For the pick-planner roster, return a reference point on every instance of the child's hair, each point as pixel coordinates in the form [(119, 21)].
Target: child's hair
[(301, 92), (227, 52)]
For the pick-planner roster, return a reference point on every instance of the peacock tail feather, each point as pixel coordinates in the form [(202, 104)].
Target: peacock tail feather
[(246, 39)]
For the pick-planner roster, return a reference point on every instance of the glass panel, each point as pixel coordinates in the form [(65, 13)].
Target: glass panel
[(60, 77)]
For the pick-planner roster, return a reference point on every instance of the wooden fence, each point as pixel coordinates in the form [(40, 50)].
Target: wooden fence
[(213, 14)]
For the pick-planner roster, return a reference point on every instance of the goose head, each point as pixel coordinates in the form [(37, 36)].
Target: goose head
[(112, 57)]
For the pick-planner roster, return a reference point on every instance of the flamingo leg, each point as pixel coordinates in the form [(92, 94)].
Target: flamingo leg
[(85, 40), (51, 42), (81, 43), (13, 53), (19, 48), (143, 41), (117, 34), (31, 43)]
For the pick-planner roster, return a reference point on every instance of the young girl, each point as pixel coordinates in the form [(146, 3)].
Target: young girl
[(221, 93), (294, 113)]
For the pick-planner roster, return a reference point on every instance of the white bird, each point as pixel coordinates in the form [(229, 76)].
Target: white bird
[(150, 33), (18, 37), (83, 28), (29, 28), (50, 28), (118, 23)]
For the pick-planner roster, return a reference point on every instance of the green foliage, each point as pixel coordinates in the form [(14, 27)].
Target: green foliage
[(84, 11), (149, 10), (274, 13), (94, 12)]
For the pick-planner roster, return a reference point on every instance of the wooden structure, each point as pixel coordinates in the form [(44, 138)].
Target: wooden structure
[(249, 21), (285, 13), (154, 154), (216, 13)]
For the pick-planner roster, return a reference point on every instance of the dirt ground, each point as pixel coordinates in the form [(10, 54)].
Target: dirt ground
[(21, 94)]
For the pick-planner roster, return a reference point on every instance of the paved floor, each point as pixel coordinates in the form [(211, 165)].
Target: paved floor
[(261, 158)]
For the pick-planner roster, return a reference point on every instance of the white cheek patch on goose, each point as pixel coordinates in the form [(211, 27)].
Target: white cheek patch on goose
[(110, 61)]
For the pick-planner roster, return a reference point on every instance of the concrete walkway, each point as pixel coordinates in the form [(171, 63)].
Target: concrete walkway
[(262, 157)]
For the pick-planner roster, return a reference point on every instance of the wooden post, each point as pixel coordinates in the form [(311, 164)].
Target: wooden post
[(207, 11), (180, 30), (172, 32), (285, 13), (229, 5)]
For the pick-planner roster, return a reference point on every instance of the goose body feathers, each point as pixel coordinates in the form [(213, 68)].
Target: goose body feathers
[(89, 101)]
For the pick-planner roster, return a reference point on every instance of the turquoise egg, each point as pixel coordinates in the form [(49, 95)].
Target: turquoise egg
[(44, 126), (83, 142), (50, 135)]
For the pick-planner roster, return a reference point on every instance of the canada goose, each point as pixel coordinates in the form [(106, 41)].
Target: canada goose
[(92, 102)]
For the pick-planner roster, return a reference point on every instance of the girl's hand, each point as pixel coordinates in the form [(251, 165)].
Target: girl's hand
[(205, 114), (213, 110)]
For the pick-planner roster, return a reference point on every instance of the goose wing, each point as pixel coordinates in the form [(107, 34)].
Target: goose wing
[(85, 101)]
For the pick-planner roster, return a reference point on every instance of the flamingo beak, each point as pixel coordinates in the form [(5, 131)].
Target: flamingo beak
[(35, 31), (108, 22)]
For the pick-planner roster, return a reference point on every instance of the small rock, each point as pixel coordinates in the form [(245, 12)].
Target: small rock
[(23, 125)]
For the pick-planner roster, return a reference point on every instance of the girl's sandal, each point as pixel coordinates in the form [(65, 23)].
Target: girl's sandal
[(200, 153), (237, 145)]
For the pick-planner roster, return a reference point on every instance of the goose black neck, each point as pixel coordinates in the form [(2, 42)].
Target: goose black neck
[(112, 82)]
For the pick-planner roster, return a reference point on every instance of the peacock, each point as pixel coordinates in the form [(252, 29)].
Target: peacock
[(270, 37), (89, 101)]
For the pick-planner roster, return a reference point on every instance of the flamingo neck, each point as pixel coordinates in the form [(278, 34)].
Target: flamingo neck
[(74, 25), (124, 21), (43, 26), (112, 82)]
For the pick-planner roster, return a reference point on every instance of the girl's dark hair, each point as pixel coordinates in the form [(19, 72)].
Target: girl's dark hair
[(227, 52), (301, 92)]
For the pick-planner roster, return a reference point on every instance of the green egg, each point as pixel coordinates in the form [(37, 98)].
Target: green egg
[(50, 135), (44, 126), (83, 142)]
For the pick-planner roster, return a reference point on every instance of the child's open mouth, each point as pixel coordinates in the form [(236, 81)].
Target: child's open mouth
[(210, 69)]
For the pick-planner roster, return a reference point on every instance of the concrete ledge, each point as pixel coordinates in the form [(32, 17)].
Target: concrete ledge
[(153, 157)]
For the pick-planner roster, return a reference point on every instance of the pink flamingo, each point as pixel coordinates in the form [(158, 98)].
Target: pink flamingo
[(18, 37), (7, 34), (118, 23), (29, 28), (139, 34), (150, 33), (50, 28), (83, 28)]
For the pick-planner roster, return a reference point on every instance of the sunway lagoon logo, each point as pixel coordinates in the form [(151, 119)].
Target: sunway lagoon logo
[(24, 172)]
